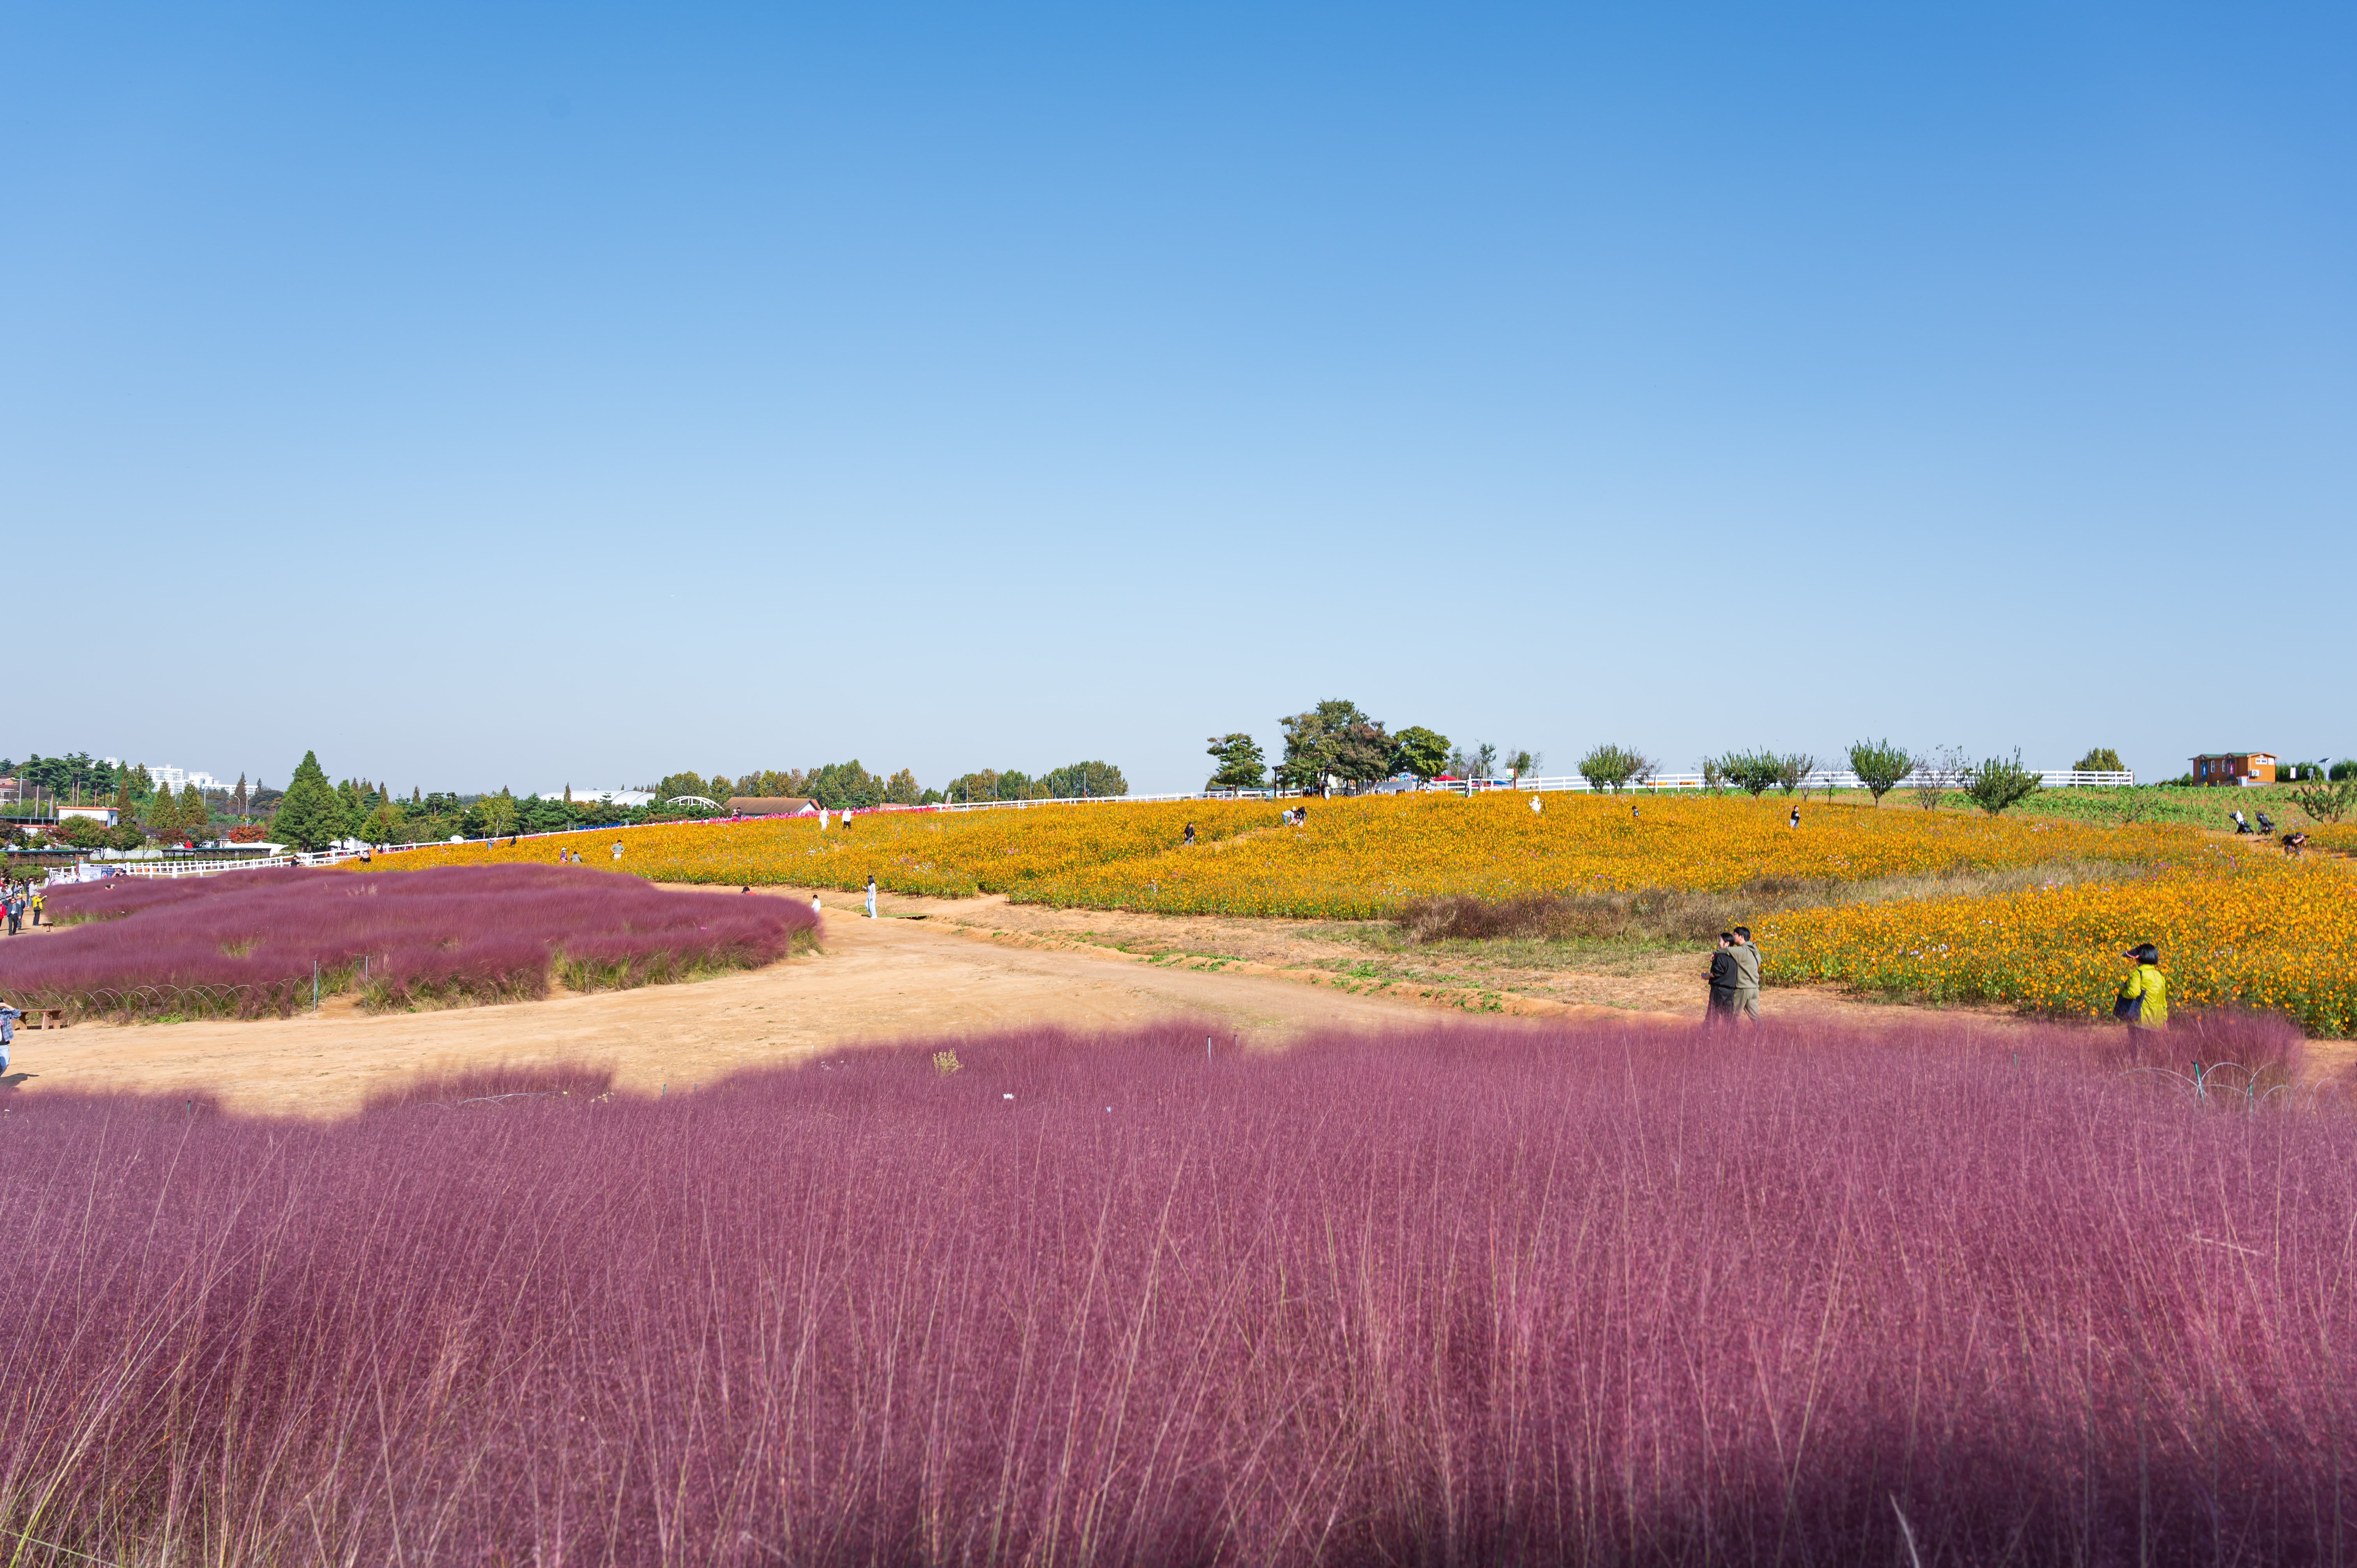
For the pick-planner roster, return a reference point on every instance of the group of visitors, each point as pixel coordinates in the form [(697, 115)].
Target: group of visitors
[(2142, 1003), (21, 900), (1734, 978)]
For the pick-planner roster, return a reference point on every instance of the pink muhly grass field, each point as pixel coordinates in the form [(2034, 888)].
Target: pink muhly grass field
[(243, 944), (1491, 1295)]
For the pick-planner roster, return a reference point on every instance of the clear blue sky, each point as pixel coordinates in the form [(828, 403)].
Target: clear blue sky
[(524, 396)]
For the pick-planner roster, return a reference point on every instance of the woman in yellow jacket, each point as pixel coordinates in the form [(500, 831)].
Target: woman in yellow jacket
[(2142, 1001)]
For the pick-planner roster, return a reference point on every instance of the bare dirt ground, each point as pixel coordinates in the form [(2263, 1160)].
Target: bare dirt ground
[(933, 969)]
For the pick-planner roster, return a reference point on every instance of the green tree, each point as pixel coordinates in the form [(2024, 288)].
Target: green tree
[(838, 785), (1334, 738), (196, 817), (979, 784), (495, 814), (901, 789), (311, 814), (1996, 783), (1879, 766), (1754, 772), (2327, 802), (1075, 780), (2102, 759), (1423, 752), (1614, 768), (1240, 765), (384, 823), (1792, 767)]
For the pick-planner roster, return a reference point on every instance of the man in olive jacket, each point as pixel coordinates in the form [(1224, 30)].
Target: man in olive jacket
[(1747, 975)]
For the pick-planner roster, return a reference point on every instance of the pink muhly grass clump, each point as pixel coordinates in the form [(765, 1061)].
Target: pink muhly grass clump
[(244, 943), (1480, 1294)]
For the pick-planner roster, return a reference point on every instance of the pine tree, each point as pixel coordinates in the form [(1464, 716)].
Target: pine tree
[(311, 814), (237, 801), (195, 816)]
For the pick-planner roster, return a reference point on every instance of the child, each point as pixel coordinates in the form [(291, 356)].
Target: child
[(2143, 1001)]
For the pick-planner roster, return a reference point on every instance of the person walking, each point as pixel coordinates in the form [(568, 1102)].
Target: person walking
[(814, 903), (1796, 818), (38, 895), (2143, 1001), (15, 907), (871, 898), (1722, 982), (8, 1017), (1747, 975)]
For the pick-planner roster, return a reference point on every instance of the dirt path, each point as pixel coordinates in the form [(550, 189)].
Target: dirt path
[(875, 980), (932, 969)]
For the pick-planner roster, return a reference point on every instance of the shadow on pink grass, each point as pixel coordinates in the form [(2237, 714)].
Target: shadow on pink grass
[(1470, 1293)]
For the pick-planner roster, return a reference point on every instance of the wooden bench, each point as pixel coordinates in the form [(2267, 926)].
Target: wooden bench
[(42, 1018)]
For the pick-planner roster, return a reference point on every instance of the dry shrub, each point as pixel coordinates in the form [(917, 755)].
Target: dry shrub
[(1673, 914)]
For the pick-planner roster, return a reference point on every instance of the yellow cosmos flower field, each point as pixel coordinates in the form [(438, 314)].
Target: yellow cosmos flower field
[(1354, 859), (1367, 858), (926, 853), (2341, 836), (2232, 930)]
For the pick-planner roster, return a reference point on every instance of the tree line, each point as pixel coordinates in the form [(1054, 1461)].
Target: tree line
[(841, 785), (1338, 740)]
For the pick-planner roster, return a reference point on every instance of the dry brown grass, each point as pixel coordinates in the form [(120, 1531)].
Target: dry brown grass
[(1662, 917)]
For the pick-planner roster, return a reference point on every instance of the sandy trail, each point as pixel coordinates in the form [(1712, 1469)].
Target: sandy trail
[(875, 981), (936, 969)]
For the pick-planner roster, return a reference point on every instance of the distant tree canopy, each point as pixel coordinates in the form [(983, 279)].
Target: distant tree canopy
[(1071, 782), (311, 814), (2101, 759), (1422, 752), (1879, 766), (1754, 772), (1239, 763), (1335, 739), (1999, 782), (1614, 768)]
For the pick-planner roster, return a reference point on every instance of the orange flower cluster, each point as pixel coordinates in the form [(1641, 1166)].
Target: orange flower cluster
[(2232, 930)]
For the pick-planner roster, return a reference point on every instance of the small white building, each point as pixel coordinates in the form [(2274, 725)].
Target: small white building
[(603, 797), (105, 816)]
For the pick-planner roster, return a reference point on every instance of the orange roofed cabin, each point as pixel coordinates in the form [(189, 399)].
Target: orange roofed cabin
[(2234, 768)]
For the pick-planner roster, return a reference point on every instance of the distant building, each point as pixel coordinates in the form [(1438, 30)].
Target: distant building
[(103, 815), (2234, 768), (771, 806), (602, 797)]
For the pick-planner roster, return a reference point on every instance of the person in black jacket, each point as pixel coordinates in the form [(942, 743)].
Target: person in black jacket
[(1723, 977)]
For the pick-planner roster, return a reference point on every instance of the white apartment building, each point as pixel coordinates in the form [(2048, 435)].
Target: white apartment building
[(170, 778)]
